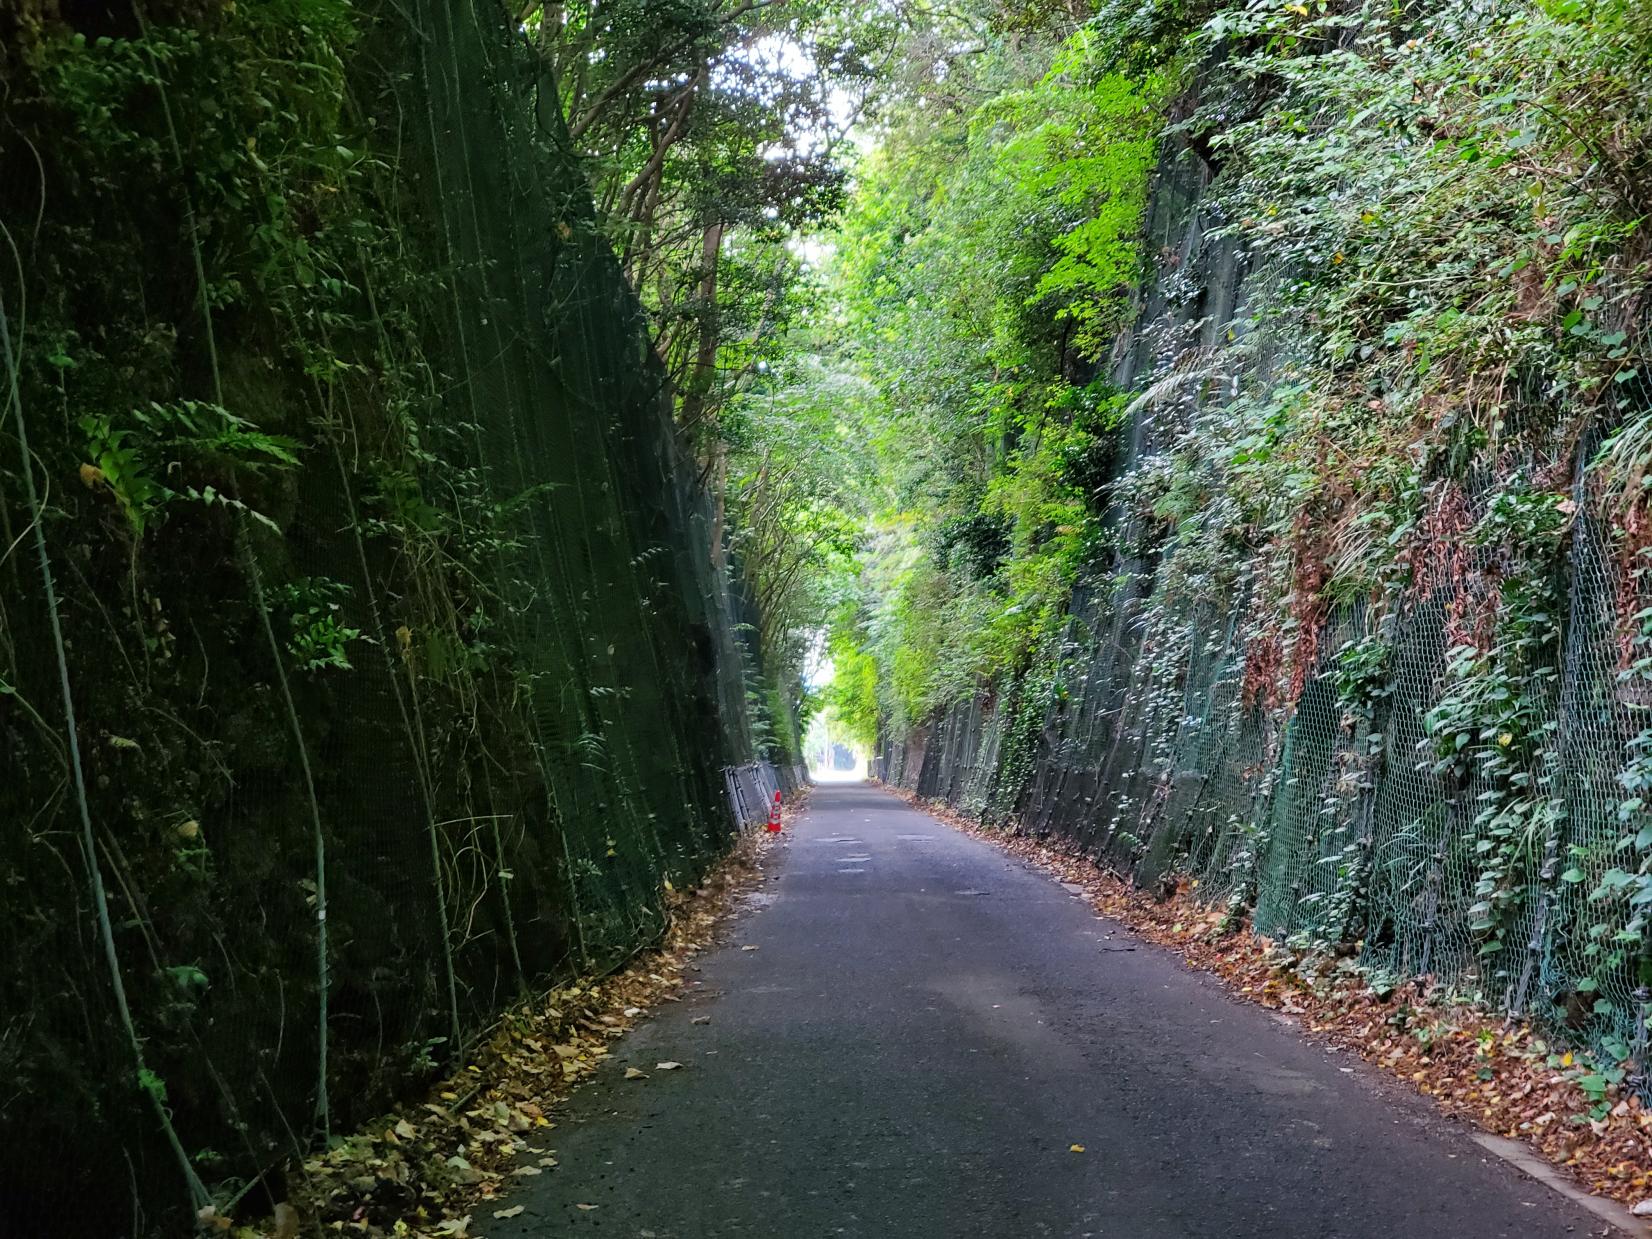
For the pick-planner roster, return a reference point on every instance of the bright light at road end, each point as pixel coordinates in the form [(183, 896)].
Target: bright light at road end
[(833, 756)]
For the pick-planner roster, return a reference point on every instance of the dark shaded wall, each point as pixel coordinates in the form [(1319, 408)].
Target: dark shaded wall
[(353, 523)]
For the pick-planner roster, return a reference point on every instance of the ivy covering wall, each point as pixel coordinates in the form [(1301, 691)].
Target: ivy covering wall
[(1325, 581)]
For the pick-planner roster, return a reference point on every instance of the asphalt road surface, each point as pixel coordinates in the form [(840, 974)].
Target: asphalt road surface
[(926, 1030)]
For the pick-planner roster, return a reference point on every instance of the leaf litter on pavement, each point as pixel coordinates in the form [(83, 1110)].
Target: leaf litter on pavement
[(436, 1170), (1504, 1075)]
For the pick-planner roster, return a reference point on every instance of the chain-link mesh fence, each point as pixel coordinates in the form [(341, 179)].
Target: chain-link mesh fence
[(1450, 789), (340, 503), (1331, 828)]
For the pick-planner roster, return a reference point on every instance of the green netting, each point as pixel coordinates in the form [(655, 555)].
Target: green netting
[(1337, 818), (404, 656), (1329, 827)]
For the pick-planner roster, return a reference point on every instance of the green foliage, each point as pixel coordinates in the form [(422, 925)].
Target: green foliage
[(852, 695), (317, 636), (1363, 673), (711, 134), (792, 458), (135, 456), (1080, 144), (990, 248)]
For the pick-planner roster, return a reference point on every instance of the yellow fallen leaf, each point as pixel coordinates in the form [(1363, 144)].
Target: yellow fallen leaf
[(406, 1130), (631, 1073), (1075, 1148)]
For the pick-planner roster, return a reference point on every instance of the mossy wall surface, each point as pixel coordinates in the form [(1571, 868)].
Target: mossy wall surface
[(401, 673), (1367, 656)]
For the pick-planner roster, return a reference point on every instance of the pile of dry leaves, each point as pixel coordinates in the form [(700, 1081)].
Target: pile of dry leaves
[(1500, 1074), (437, 1168)]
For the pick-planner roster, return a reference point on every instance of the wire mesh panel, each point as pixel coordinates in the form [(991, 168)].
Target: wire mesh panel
[(1439, 768), (368, 655)]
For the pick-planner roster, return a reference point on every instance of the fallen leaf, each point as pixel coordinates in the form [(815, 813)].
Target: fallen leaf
[(406, 1130), (631, 1073), (748, 948), (527, 1171), (1075, 1148), (666, 1066), (700, 1019), (511, 1212), (587, 1208)]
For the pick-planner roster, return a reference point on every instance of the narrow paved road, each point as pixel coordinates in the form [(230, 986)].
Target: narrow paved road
[(926, 1028)]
